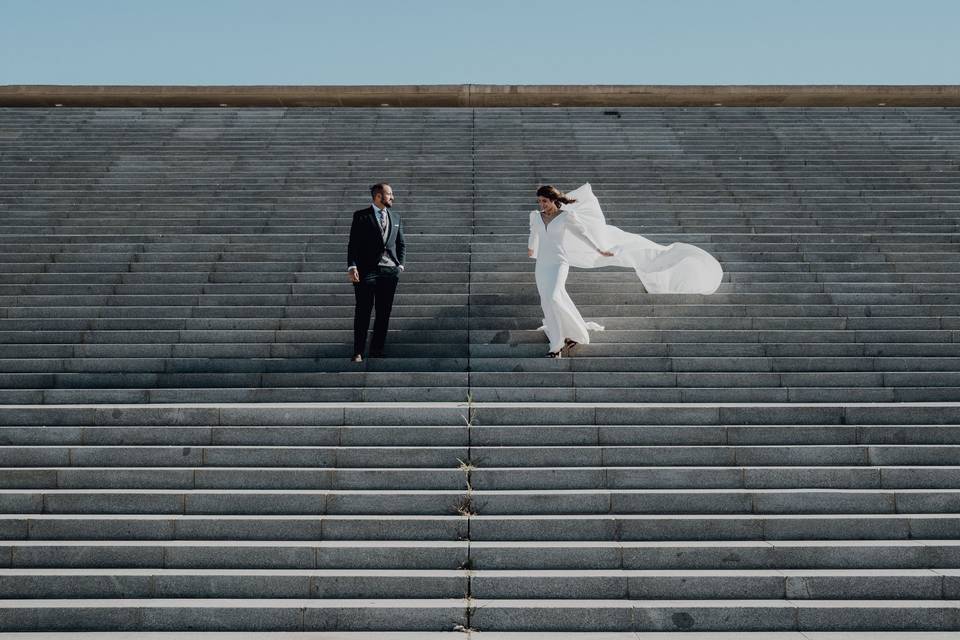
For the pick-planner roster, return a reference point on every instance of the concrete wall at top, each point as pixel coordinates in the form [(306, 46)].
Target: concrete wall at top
[(474, 95)]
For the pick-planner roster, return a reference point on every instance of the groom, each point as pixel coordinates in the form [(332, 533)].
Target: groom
[(374, 262)]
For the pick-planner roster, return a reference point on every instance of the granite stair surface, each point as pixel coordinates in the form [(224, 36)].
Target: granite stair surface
[(185, 446), (488, 516), (198, 255)]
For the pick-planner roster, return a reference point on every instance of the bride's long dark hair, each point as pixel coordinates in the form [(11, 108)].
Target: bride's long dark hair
[(551, 192)]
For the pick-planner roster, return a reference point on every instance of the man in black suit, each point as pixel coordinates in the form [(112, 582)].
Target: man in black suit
[(374, 262)]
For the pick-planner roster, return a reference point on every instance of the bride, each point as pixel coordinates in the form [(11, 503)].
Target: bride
[(569, 229)]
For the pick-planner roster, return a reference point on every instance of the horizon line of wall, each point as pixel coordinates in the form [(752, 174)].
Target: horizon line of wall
[(480, 96)]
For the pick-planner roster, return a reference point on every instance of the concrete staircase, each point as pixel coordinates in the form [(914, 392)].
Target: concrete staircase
[(493, 517), (185, 446), (183, 255)]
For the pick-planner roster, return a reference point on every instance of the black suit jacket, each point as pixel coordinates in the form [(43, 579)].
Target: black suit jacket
[(366, 241)]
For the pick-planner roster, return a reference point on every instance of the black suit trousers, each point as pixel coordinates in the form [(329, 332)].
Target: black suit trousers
[(374, 291)]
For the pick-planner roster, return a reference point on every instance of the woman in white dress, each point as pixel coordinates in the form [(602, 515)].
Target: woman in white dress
[(570, 230)]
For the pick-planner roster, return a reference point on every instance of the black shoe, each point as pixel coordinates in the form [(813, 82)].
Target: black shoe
[(356, 358)]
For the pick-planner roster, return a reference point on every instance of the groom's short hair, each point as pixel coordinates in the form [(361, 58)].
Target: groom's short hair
[(380, 187)]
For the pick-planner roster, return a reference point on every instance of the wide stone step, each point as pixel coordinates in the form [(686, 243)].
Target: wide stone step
[(255, 365), (524, 352), (567, 527), (159, 614), (255, 456), (612, 384), (526, 356), (481, 456), (481, 414), (283, 351), (258, 395), (526, 316), (849, 584), (780, 332), (32, 275), (429, 243), (693, 395), (729, 395), (706, 379), (750, 362), (656, 555), (403, 325), (306, 227), (485, 615), (480, 555), (426, 254), (425, 478), (503, 478), (333, 377), (485, 502), (475, 435)]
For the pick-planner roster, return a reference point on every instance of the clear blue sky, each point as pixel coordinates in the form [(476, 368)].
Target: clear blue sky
[(479, 41)]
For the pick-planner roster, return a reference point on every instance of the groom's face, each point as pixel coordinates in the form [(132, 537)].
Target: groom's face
[(386, 198)]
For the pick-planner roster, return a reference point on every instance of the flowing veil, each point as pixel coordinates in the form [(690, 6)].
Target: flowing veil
[(673, 268)]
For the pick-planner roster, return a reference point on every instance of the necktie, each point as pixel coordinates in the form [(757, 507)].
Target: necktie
[(382, 215)]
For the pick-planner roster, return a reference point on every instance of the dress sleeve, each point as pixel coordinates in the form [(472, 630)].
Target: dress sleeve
[(533, 242), (576, 226)]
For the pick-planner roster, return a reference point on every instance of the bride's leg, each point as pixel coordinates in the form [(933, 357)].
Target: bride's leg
[(570, 323), (547, 280)]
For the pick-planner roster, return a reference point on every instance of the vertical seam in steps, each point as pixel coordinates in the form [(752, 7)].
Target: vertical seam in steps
[(468, 596), (473, 230)]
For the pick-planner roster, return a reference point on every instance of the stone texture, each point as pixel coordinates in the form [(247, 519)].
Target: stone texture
[(781, 456)]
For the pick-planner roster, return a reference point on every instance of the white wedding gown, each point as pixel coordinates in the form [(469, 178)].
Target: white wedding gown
[(574, 238)]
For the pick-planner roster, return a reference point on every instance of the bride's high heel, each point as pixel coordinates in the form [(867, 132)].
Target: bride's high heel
[(554, 354), (569, 344)]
